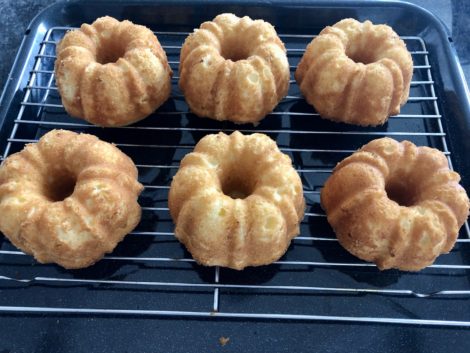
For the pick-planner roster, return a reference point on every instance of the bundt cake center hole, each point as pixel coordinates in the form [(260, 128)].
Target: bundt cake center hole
[(110, 52), (360, 57), (236, 188), (234, 52), (60, 188), (400, 193)]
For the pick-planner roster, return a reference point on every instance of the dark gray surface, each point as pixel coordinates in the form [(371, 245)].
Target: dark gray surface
[(14, 19), (16, 15)]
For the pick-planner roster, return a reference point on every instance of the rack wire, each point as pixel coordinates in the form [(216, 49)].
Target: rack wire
[(316, 280)]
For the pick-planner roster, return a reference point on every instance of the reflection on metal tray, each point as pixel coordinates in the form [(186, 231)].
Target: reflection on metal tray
[(150, 273)]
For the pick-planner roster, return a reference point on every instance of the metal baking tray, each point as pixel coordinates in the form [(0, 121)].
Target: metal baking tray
[(150, 285)]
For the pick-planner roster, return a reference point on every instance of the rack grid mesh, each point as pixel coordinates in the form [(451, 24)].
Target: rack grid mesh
[(150, 273)]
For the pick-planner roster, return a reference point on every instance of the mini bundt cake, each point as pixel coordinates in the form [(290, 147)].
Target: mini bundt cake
[(356, 73), (395, 204), (68, 199), (236, 201), (112, 73), (234, 69)]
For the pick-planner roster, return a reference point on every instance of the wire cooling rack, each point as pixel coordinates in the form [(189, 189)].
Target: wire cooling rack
[(150, 273)]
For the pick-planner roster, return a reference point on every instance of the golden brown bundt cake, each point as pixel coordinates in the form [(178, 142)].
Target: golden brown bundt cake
[(68, 199), (356, 73), (112, 73), (395, 204), (236, 201), (234, 69)]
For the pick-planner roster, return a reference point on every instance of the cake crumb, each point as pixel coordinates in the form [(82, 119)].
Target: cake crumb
[(223, 340)]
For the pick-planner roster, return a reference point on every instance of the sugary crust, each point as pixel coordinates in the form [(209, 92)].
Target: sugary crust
[(332, 77), (219, 86), (119, 92), (373, 227), (220, 230), (79, 230)]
